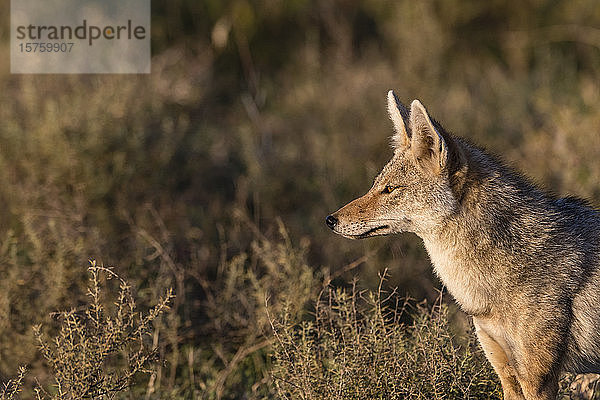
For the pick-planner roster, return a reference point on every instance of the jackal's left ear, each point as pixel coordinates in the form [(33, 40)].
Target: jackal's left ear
[(427, 144), (399, 116)]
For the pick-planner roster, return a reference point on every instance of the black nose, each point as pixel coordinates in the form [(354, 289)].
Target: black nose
[(331, 221)]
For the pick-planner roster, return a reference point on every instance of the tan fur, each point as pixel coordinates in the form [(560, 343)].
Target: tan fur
[(523, 263)]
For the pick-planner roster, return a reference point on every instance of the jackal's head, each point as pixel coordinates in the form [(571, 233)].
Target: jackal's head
[(415, 191)]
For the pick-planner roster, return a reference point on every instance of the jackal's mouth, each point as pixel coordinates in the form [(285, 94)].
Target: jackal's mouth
[(371, 232)]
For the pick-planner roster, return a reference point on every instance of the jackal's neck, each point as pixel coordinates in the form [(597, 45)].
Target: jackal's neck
[(473, 250), (465, 274)]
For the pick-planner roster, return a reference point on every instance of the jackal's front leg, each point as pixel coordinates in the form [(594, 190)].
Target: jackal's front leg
[(538, 369), (528, 368), (499, 359)]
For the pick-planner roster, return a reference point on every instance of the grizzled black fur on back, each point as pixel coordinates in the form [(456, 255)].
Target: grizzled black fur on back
[(523, 262)]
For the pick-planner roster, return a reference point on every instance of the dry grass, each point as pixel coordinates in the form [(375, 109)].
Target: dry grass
[(361, 345), (179, 177), (98, 352), (10, 390)]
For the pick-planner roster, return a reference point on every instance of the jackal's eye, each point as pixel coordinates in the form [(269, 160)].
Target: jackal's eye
[(388, 189)]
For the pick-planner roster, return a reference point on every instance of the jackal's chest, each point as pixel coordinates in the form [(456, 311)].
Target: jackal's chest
[(465, 279)]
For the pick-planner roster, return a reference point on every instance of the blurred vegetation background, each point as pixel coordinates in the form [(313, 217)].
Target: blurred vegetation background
[(212, 175)]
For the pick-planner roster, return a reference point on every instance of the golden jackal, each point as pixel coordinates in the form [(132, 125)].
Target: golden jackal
[(523, 263)]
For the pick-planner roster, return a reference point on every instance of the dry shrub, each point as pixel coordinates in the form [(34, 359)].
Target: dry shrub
[(289, 128), (273, 271), (98, 351), (11, 389), (360, 345)]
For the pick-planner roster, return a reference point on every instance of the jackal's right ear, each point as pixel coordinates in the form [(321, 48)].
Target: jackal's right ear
[(428, 145), (400, 117)]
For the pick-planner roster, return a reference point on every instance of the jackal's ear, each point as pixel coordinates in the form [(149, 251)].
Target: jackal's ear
[(399, 116), (427, 144)]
